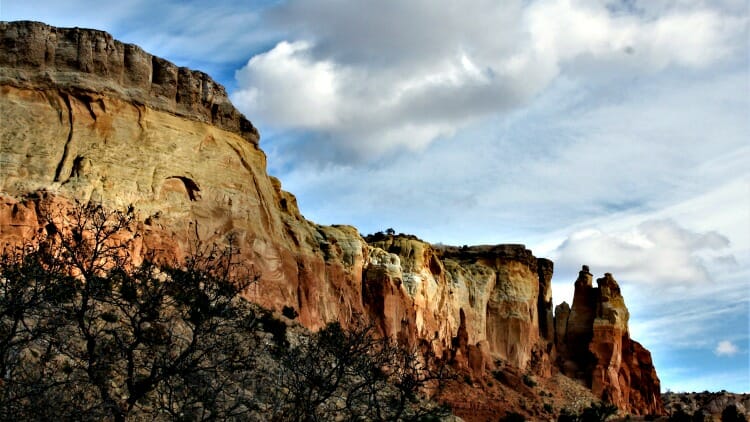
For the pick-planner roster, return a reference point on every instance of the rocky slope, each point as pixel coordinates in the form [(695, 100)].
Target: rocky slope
[(89, 118), (706, 406)]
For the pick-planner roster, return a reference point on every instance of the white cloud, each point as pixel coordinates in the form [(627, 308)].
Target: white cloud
[(726, 348), (655, 251), (372, 78), (196, 34), (285, 72)]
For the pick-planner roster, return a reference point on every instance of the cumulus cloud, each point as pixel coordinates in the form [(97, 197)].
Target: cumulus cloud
[(288, 71), (655, 251), (370, 78), (726, 348)]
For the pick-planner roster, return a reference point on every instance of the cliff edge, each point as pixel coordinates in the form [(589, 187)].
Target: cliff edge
[(36, 56)]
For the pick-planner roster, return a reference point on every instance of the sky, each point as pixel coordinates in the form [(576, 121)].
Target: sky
[(612, 133)]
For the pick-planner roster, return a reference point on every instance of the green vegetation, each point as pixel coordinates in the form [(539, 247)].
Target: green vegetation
[(597, 412)]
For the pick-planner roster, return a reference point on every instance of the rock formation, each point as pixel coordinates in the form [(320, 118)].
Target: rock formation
[(594, 346), (415, 291), (37, 56), (85, 117)]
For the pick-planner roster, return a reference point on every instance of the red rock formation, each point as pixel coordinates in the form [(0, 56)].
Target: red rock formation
[(86, 117), (422, 292), (594, 346)]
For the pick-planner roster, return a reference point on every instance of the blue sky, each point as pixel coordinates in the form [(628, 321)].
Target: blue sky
[(610, 133)]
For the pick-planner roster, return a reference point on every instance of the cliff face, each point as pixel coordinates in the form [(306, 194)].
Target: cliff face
[(36, 56), (86, 117), (415, 291)]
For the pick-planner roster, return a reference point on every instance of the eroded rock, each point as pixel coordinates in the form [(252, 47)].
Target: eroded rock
[(85, 117)]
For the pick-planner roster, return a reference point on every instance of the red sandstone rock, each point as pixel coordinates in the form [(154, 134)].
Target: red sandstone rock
[(86, 117), (594, 346)]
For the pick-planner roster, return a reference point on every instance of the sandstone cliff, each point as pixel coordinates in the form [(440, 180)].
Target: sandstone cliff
[(415, 291), (86, 117)]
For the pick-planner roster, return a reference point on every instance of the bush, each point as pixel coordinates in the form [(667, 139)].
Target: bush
[(680, 416), (732, 414), (338, 374), (276, 328), (529, 381), (513, 417), (289, 312), (88, 335), (597, 412)]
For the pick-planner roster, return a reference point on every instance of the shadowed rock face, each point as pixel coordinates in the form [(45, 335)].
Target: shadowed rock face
[(86, 117), (594, 346)]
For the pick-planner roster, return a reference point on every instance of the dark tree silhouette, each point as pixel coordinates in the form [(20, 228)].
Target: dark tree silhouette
[(352, 375), (87, 335), (732, 414), (84, 329)]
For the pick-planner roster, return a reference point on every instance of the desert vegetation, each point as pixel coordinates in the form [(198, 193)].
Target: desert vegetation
[(86, 334)]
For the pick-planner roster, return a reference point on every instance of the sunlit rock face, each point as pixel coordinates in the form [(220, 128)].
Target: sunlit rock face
[(422, 293), (85, 117)]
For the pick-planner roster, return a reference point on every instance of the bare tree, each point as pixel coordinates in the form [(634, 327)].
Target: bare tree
[(87, 335), (352, 375), (85, 329)]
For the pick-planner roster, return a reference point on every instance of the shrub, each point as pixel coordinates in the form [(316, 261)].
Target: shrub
[(597, 412), (513, 417), (289, 312), (338, 374), (732, 414), (94, 337), (87, 335), (529, 381), (680, 416)]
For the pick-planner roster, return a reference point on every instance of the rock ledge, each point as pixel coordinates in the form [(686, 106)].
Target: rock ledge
[(36, 55)]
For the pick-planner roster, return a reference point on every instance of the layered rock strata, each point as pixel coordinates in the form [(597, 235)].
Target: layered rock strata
[(487, 297), (36, 56), (85, 117)]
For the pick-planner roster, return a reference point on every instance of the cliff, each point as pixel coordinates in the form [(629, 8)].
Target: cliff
[(85, 117), (37, 56)]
